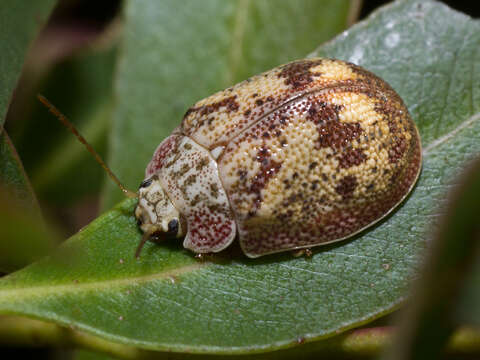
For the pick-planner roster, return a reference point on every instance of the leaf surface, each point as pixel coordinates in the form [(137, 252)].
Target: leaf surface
[(167, 300)]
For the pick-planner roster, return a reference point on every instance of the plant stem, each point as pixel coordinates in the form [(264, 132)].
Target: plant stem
[(356, 344)]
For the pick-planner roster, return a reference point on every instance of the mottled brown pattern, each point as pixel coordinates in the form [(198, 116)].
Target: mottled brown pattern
[(331, 132), (352, 157), (214, 190), (202, 163), (397, 149), (268, 169), (347, 186), (398, 124), (187, 182), (314, 151), (195, 196), (228, 103), (297, 74)]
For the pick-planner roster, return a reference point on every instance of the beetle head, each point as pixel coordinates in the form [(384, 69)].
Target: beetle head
[(156, 215)]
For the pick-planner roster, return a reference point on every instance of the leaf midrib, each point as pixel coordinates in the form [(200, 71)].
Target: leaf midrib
[(439, 141), (38, 291)]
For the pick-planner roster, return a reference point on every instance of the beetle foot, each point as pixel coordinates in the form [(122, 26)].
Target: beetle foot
[(303, 252), (203, 256)]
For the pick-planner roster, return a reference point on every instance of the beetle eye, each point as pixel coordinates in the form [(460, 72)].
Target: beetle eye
[(173, 227), (145, 183)]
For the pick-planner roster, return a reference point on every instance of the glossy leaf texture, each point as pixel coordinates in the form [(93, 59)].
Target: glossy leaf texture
[(176, 53), (169, 301)]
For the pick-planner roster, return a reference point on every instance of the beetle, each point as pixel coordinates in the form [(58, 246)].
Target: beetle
[(308, 153)]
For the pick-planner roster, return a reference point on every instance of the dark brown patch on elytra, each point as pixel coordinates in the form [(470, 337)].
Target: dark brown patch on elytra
[(188, 181), (347, 186), (352, 157), (214, 190), (242, 174), (196, 200), (202, 163), (268, 168), (332, 132), (397, 149), (396, 120), (297, 74), (229, 103), (183, 170)]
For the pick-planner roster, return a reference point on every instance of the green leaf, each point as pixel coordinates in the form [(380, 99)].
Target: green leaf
[(20, 23), (23, 235), (176, 53), (13, 178), (169, 301), (432, 314)]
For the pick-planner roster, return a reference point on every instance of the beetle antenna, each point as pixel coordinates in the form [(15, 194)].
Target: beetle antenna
[(145, 237), (75, 132)]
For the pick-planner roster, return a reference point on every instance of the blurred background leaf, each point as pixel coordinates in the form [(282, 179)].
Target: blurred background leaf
[(72, 62), (20, 22), (23, 235), (447, 294)]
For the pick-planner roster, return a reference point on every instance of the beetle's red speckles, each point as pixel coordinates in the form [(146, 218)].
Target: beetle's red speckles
[(189, 176), (346, 186), (297, 74), (332, 132), (352, 157), (229, 104), (247, 112), (259, 102), (208, 231), (163, 151)]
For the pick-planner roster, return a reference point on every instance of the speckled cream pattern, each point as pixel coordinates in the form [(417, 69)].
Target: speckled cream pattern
[(308, 153), (188, 174)]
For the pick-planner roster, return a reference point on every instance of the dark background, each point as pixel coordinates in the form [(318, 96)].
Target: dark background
[(97, 14)]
